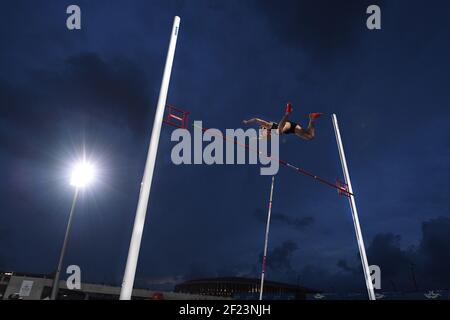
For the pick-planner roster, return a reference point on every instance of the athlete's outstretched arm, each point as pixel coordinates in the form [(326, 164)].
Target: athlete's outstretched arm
[(261, 122)]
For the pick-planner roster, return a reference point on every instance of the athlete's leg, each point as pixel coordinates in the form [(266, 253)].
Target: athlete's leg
[(307, 134), (284, 120), (310, 131)]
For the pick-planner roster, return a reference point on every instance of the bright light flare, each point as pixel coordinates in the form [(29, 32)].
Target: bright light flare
[(83, 174)]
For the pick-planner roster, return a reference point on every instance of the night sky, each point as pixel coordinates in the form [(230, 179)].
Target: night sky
[(95, 89)]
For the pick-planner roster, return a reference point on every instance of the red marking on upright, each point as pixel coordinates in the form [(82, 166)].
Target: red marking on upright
[(176, 117)]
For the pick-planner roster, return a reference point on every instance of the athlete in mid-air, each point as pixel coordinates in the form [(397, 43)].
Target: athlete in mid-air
[(285, 126)]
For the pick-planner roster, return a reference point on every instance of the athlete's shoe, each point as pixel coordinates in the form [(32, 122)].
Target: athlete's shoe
[(315, 115), (289, 108)]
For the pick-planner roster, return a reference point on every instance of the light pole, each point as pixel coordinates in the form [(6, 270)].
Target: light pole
[(82, 175)]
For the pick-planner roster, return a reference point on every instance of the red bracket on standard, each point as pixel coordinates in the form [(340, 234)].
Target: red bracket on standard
[(176, 117), (342, 188)]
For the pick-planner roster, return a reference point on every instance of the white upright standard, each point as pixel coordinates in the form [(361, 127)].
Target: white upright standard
[(135, 244), (359, 237), (266, 241)]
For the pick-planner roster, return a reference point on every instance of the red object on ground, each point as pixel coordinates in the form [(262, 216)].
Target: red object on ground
[(315, 115), (157, 296), (289, 108)]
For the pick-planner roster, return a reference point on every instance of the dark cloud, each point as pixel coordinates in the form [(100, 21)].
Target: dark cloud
[(386, 252), (345, 267), (279, 259), (425, 266), (322, 27), (115, 90), (433, 260), (84, 90), (277, 217)]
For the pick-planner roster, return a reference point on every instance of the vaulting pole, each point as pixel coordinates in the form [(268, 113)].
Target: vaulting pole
[(266, 240), (359, 237), (135, 244)]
